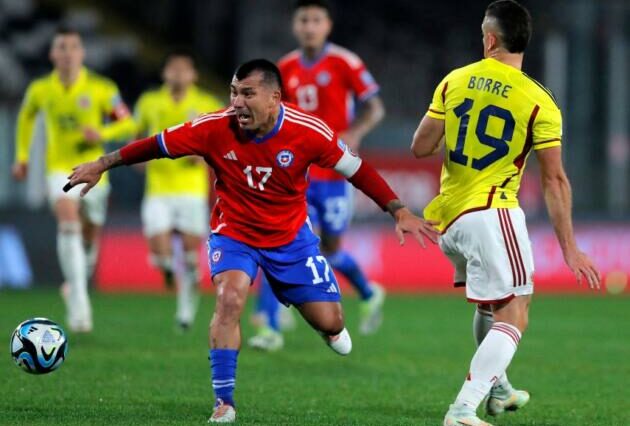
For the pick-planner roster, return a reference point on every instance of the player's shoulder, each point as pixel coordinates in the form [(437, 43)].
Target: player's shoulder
[(41, 82), (464, 71), (99, 79), (306, 122), (221, 117), (347, 56), (538, 91), (289, 59)]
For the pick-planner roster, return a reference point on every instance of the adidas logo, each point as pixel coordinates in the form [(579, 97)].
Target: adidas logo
[(332, 289), (230, 156)]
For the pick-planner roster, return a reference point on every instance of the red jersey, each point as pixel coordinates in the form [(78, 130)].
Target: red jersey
[(260, 182), (327, 87)]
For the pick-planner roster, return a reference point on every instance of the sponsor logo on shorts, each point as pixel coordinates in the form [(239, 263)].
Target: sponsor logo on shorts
[(285, 158), (216, 255)]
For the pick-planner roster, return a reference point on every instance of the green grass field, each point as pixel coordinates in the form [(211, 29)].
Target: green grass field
[(135, 370)]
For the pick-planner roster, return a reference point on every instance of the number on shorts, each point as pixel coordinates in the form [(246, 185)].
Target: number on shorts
[(317, 279)]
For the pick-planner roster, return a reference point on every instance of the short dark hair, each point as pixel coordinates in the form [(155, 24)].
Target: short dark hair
[(180, 52), (63, 30), (515, 24), (269, 71), (314, 3)]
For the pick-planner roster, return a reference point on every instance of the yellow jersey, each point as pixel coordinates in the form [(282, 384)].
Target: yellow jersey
[(155, 111), (92, 100), (494, 115)]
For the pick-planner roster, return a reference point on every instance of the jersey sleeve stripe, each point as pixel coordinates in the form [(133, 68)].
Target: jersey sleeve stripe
[(162, 144), (436, 111), (544, 89), (315, 121), (444, 92), (370, 92), (310, 126), (310, 118), (547, 141), (208, 117)]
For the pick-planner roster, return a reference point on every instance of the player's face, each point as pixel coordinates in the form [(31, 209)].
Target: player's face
[(179, 72), (311, 27), (66, 52), (254, 102)]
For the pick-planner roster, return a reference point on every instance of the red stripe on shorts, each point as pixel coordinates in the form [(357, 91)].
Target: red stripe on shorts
[(518, 249), (507, 245)]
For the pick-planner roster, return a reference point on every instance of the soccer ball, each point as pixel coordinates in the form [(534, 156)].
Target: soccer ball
[(39, 346)]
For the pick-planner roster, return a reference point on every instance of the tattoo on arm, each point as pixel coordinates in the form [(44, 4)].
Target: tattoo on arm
[(393, 206), (111, 160)]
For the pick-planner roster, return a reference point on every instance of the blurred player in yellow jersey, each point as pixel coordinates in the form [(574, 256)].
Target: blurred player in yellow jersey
[(176, 194), (81, 110), (491, 115)]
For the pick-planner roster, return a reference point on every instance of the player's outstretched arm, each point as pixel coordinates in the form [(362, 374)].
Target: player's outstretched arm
[(428, 137), (90, 173), (372, 184), (557, 193)]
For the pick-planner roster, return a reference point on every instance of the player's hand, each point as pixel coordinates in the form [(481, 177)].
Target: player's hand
[(407, 222), (351, 139), (91, 135), (19, 171), (583, 268), (87, 173)]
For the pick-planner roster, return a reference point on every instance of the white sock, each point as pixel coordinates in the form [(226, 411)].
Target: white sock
[(482, 322), (488, 364), (187, 294), (341, 343), (91, 255), (73, 266), (163, 262)]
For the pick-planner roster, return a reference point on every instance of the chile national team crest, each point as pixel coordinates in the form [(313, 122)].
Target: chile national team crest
[(285, 158), (216, 255)]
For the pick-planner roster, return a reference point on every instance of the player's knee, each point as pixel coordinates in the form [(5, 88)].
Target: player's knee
[(331, 325), (229, 304)]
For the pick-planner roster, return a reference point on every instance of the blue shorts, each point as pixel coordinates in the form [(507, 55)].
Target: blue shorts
[(330, 205), (297, 272)]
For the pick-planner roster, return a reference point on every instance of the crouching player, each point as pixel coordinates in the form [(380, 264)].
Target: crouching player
[(261, 149)]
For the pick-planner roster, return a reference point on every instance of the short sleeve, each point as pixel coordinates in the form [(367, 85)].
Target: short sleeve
[(188, 138), (547, 130), (437, 109), (362, 82), (328, 151)]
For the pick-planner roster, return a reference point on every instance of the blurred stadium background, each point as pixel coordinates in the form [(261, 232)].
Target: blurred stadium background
[(580, 49)]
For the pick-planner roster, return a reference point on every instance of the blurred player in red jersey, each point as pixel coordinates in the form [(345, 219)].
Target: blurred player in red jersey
[(260, 149), (327, 80)]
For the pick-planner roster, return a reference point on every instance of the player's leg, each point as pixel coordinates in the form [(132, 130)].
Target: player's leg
[(158, 223), (191, 219), (327, 319), (234, 266), (268, 334), (488, 238), (335, 209), (91, 233)]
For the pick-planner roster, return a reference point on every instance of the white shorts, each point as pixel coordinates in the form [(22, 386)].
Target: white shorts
[(185, 213), (93, 205), (492, 254)]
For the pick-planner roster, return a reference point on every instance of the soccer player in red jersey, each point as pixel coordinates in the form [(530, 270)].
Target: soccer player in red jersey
[(260, 149), (327, 80)]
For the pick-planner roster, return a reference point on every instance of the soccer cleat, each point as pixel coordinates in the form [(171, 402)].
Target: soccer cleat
[(371, 311), (75, 325), (222, 413), (499, 403), (462, 416), (267, 340), (286, 318)]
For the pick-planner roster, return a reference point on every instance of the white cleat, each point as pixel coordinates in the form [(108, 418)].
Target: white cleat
[(76, 323), (341, 343), (500, 403), (223, 413), (462, 416), (286, 318), (371, 311), (267, 340)]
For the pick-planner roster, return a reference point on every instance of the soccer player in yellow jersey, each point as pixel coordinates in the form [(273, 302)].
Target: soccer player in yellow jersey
[(82, 110), (490, 115), (176, 195)]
